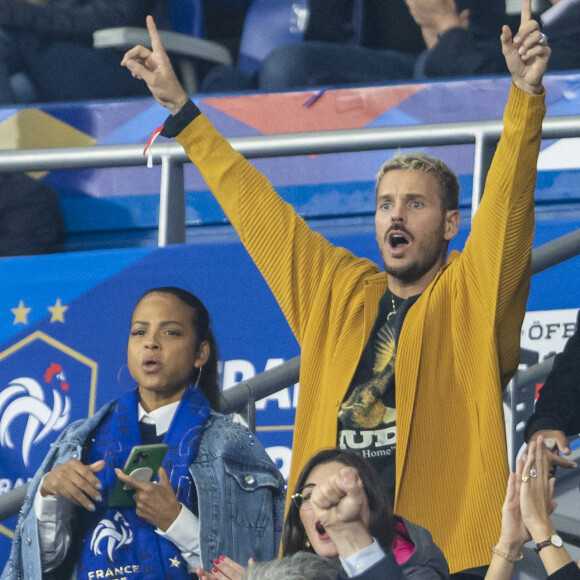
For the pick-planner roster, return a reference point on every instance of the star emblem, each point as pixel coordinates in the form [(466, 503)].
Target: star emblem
[(57, 311), (20, 313), (175, 563)]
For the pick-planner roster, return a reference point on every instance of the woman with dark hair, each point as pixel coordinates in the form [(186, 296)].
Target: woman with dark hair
[(341, 512), (411, 545), (217, 490), (381, 523)]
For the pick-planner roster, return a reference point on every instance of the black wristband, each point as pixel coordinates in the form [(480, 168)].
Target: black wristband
[(175, 124)]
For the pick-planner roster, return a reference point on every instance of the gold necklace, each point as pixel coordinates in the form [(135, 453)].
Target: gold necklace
[(393, 312)]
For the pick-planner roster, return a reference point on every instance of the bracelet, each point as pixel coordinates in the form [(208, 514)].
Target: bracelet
[(507, 557)]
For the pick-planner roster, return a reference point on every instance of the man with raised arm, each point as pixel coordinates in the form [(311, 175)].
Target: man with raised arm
[(436, 433)]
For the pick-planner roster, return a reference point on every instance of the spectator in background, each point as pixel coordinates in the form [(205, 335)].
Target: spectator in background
[(317, 62), (459, 52), (557, 411), (46, 51), (30, 218), (562, 24), (526, 516), (341, 512), (379, 42)]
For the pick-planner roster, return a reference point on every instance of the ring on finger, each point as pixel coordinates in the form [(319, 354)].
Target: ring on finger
[(525, 478), (533, 473), (543, 39)]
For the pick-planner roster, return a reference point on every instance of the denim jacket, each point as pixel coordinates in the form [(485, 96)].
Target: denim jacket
[(241, 495)]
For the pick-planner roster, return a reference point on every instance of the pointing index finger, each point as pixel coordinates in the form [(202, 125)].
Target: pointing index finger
[(154, 34), (526, 14), (131, 481)]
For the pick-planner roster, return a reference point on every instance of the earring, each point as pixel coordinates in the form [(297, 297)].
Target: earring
[(198, 377), (307, 543), (125, 366)]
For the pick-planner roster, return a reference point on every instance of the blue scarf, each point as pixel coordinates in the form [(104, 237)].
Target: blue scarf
[(117, 542)]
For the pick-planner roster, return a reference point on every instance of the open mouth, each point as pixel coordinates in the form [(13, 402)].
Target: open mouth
[(151, 364), (321, 531), (398, 239)]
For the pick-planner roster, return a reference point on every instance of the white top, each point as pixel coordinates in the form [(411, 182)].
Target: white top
[(362, 560)]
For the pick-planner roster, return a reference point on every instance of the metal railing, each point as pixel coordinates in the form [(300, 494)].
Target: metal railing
[(172, 158), (241, 398)]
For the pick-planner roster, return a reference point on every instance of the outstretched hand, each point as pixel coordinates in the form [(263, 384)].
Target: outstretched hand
[(526, 54), (154, 67)]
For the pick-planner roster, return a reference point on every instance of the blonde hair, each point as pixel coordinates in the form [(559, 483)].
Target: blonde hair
[(417, 161)]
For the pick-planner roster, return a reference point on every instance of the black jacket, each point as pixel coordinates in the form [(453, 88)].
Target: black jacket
[(461, 53), (388, 25), (558, 406)]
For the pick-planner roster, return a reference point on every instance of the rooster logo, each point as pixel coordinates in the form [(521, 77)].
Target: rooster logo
[(25, 396), (115, 537)]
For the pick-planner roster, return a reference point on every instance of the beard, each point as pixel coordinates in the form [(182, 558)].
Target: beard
[(432, 251)]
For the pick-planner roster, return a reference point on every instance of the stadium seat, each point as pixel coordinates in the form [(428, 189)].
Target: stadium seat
[(269, 24), (184, 43)]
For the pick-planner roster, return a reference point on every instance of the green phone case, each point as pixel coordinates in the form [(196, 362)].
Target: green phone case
[(143, 463)]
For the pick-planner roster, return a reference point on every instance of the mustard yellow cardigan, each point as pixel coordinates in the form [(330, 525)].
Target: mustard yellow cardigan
[(458, 347)]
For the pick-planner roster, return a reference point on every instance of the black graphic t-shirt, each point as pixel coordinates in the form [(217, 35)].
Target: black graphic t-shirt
[(368, 417)]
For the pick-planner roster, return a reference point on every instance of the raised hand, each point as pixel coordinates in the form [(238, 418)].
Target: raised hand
[(74, 481), (514, 533), (537, 504), (340, 499), (536, 492), (155, 502), (527, 53), (340, 504), (153, 66)]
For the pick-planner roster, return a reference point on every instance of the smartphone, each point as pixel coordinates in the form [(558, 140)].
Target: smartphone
[(143, 463)]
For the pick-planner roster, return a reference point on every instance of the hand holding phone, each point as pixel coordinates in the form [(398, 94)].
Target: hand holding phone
[(142, 464), (155, 502)]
